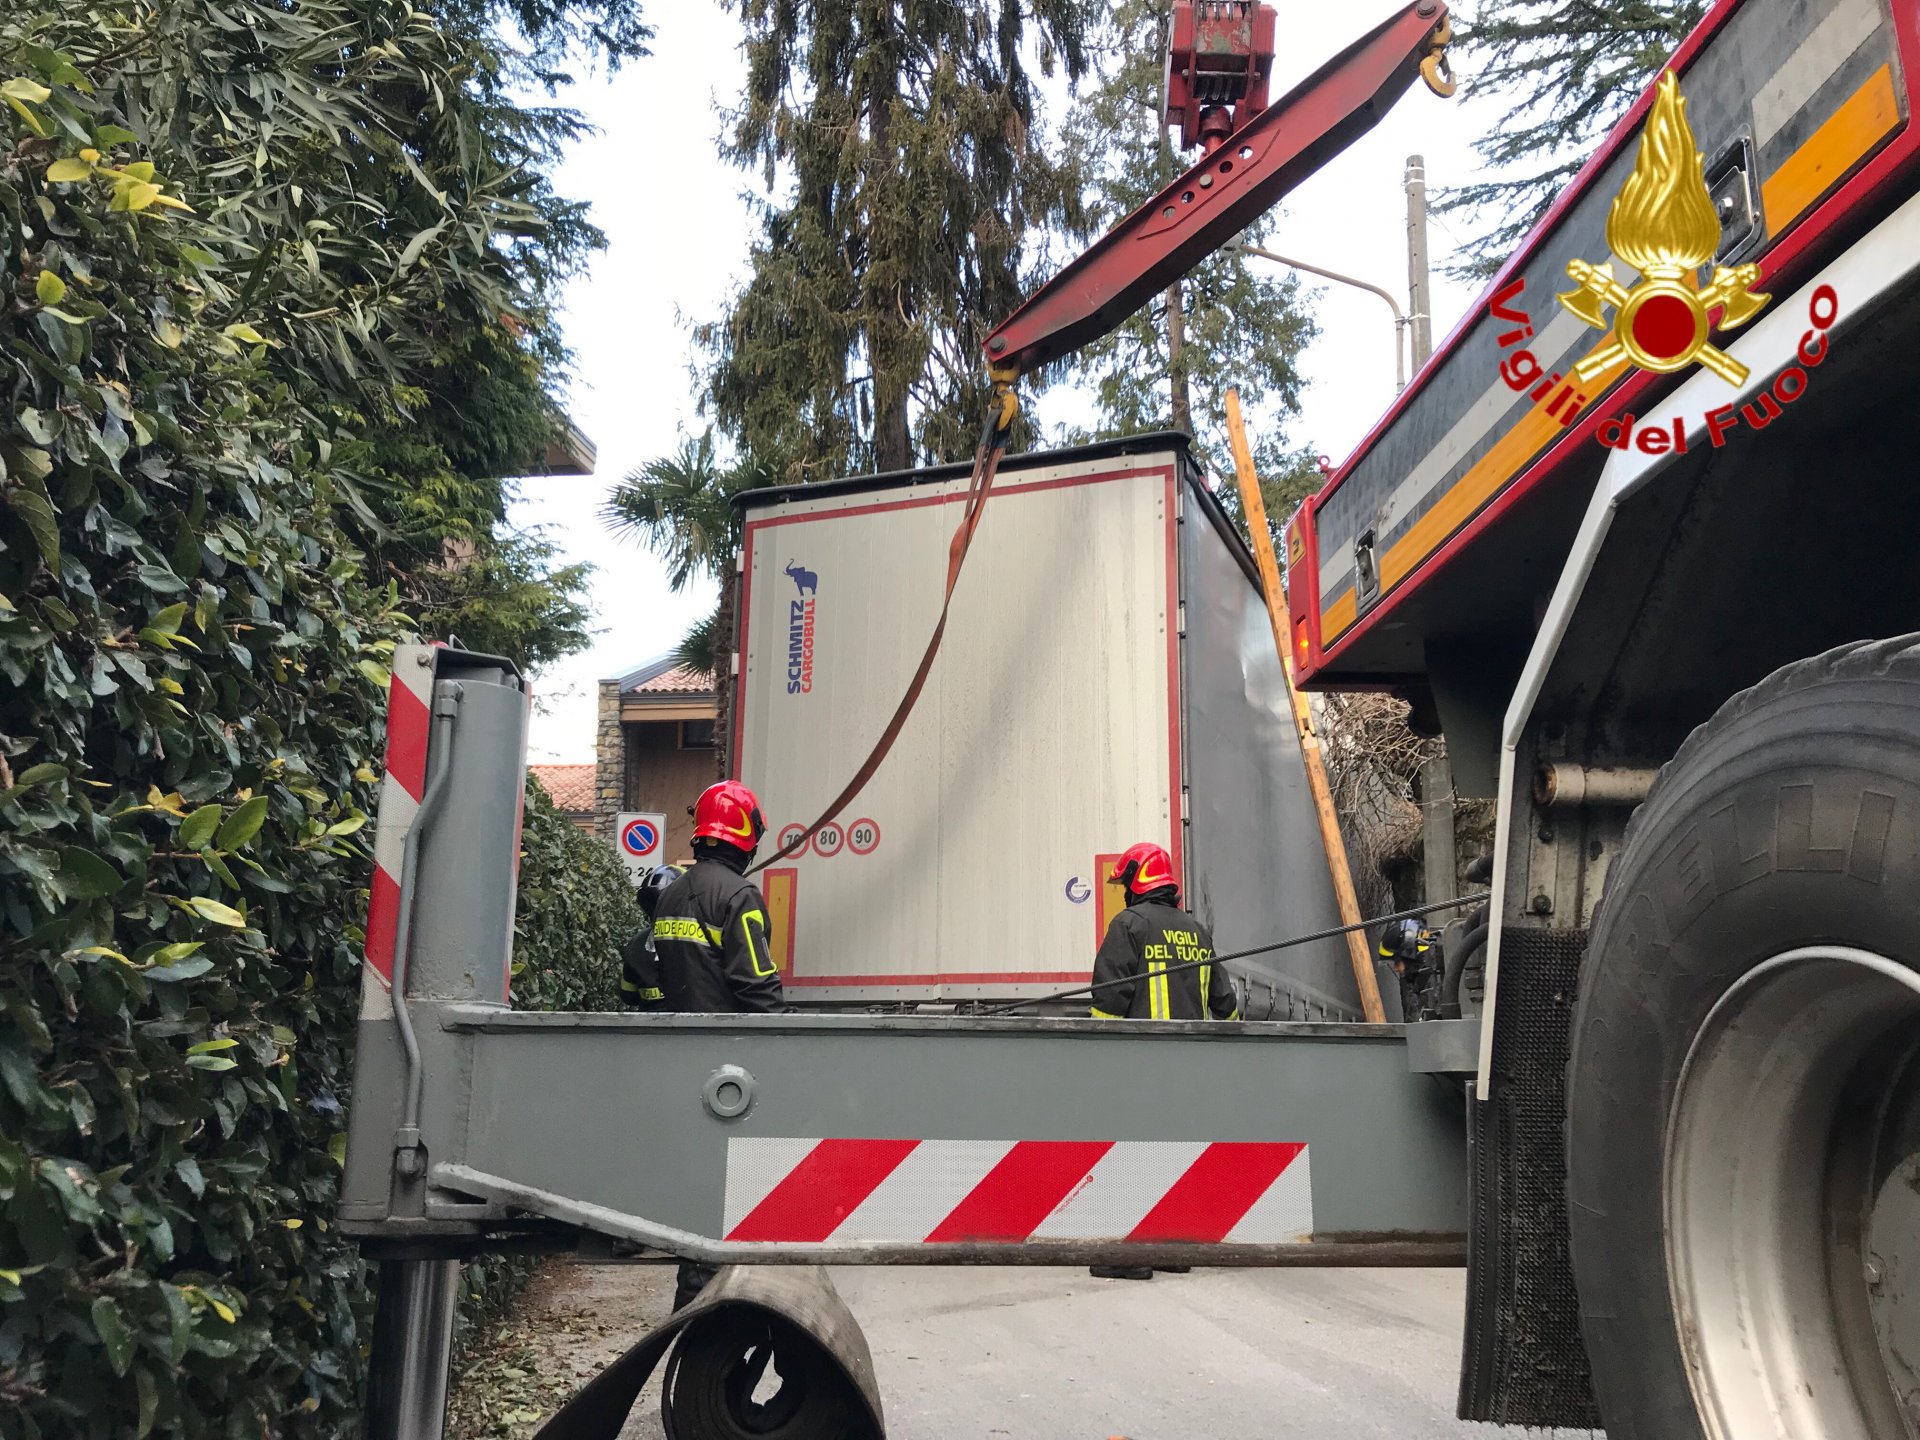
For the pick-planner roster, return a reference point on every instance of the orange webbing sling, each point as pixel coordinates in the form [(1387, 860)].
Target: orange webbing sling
[(986, 463)]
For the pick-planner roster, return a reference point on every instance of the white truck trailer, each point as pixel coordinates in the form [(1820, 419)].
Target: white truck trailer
[(1108, 676)]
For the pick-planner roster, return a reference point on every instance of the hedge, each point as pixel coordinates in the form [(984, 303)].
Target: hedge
[(576, 911), (190, 723)]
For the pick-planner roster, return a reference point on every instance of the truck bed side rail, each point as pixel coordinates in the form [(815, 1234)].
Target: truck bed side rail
[(1801, 112)]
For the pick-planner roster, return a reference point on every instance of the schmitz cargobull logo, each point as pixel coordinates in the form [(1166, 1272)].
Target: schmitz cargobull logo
[(800, 619)]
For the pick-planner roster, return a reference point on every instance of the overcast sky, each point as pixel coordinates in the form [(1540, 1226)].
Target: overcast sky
[(678, 230)]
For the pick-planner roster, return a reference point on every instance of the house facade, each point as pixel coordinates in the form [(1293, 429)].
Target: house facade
[(654, 750)]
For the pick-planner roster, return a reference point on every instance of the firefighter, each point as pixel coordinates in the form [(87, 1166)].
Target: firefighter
[(639, 966), (1152, 935), (710, 925), (710, 935), (1416, 957)]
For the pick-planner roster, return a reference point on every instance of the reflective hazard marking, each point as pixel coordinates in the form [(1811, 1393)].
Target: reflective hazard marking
[(779, 885), (937, 1192), (409, 696), (1113, 895)]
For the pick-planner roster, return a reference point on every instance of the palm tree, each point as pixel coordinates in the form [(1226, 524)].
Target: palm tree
[(681, 507)]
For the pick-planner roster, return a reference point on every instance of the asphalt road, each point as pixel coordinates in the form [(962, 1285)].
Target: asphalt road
[(1042, 1354), (1054, 1355)]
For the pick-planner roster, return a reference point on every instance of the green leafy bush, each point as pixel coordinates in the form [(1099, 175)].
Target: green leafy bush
[(565, 872), (192, 676), (576, 910), (188, 731)]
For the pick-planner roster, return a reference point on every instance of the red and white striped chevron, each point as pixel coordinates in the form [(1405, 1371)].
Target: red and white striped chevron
[(409, 708), (862, 1192)]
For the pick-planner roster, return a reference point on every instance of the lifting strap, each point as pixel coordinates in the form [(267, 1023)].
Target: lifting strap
[(986, 463)]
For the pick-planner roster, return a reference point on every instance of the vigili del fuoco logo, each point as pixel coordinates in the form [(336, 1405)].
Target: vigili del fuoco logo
[(1663, 224)]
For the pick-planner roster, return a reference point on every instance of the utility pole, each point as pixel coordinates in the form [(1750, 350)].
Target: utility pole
[(1436, 776), (1180, 394), (1421, 307)]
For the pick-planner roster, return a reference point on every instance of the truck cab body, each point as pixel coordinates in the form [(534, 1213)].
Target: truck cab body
[(1650, 612), (1424, 563)]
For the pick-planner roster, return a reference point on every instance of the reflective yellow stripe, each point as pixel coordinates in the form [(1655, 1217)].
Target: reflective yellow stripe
[(1853, 129), (1100, 1014), (626, 984), (1235, 1014), (678, 928), (715, 934), (1206, 991), (752, 953), (1157, 1006), (653, 993)]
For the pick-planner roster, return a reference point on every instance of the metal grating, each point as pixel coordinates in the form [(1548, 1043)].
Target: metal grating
[(1524, 1361)]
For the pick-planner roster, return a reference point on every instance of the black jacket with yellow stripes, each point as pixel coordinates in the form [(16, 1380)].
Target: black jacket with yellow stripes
[(710, 943), (640, 973), (1152, 935)]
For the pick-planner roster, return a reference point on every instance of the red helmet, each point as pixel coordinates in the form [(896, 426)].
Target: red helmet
[(729, 812), (1143, 869)]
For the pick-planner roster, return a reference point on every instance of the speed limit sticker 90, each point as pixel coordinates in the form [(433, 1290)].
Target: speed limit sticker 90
[(863, 837)]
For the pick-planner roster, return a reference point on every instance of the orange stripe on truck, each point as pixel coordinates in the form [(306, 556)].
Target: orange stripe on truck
[(1863, 119), (1532, 433)]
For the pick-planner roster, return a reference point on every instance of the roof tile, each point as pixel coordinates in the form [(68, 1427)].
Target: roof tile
[(680, 680), (571, 786)]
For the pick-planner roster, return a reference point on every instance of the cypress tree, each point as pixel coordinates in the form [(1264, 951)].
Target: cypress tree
[(1568, 70), (906, 196)]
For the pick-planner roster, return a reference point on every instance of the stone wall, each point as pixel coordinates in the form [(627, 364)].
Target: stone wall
[(609, 762)]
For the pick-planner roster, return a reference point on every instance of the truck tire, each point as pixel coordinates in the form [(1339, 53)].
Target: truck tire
[(1743, 1111)]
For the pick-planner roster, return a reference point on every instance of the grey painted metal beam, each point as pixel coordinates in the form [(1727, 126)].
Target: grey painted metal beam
[(659, 1130)]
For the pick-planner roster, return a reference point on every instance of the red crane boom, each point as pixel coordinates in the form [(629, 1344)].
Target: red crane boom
[(1246, 171)]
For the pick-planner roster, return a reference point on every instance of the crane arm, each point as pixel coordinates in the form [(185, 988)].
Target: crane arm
[(1246, 174)]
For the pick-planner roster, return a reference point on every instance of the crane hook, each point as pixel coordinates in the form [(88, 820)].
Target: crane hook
[(1006, 401), (1434, 68)]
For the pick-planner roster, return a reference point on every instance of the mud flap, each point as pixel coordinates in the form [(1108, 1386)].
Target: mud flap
[(747, 1315), (1523, 1361)]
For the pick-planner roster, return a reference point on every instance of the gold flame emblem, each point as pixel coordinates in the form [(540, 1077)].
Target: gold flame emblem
[(1663, 224)]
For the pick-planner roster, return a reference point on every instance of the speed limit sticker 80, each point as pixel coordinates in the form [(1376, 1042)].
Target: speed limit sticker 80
[(862, 837)]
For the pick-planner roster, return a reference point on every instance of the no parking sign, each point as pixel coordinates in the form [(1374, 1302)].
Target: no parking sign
[(641, 840)]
